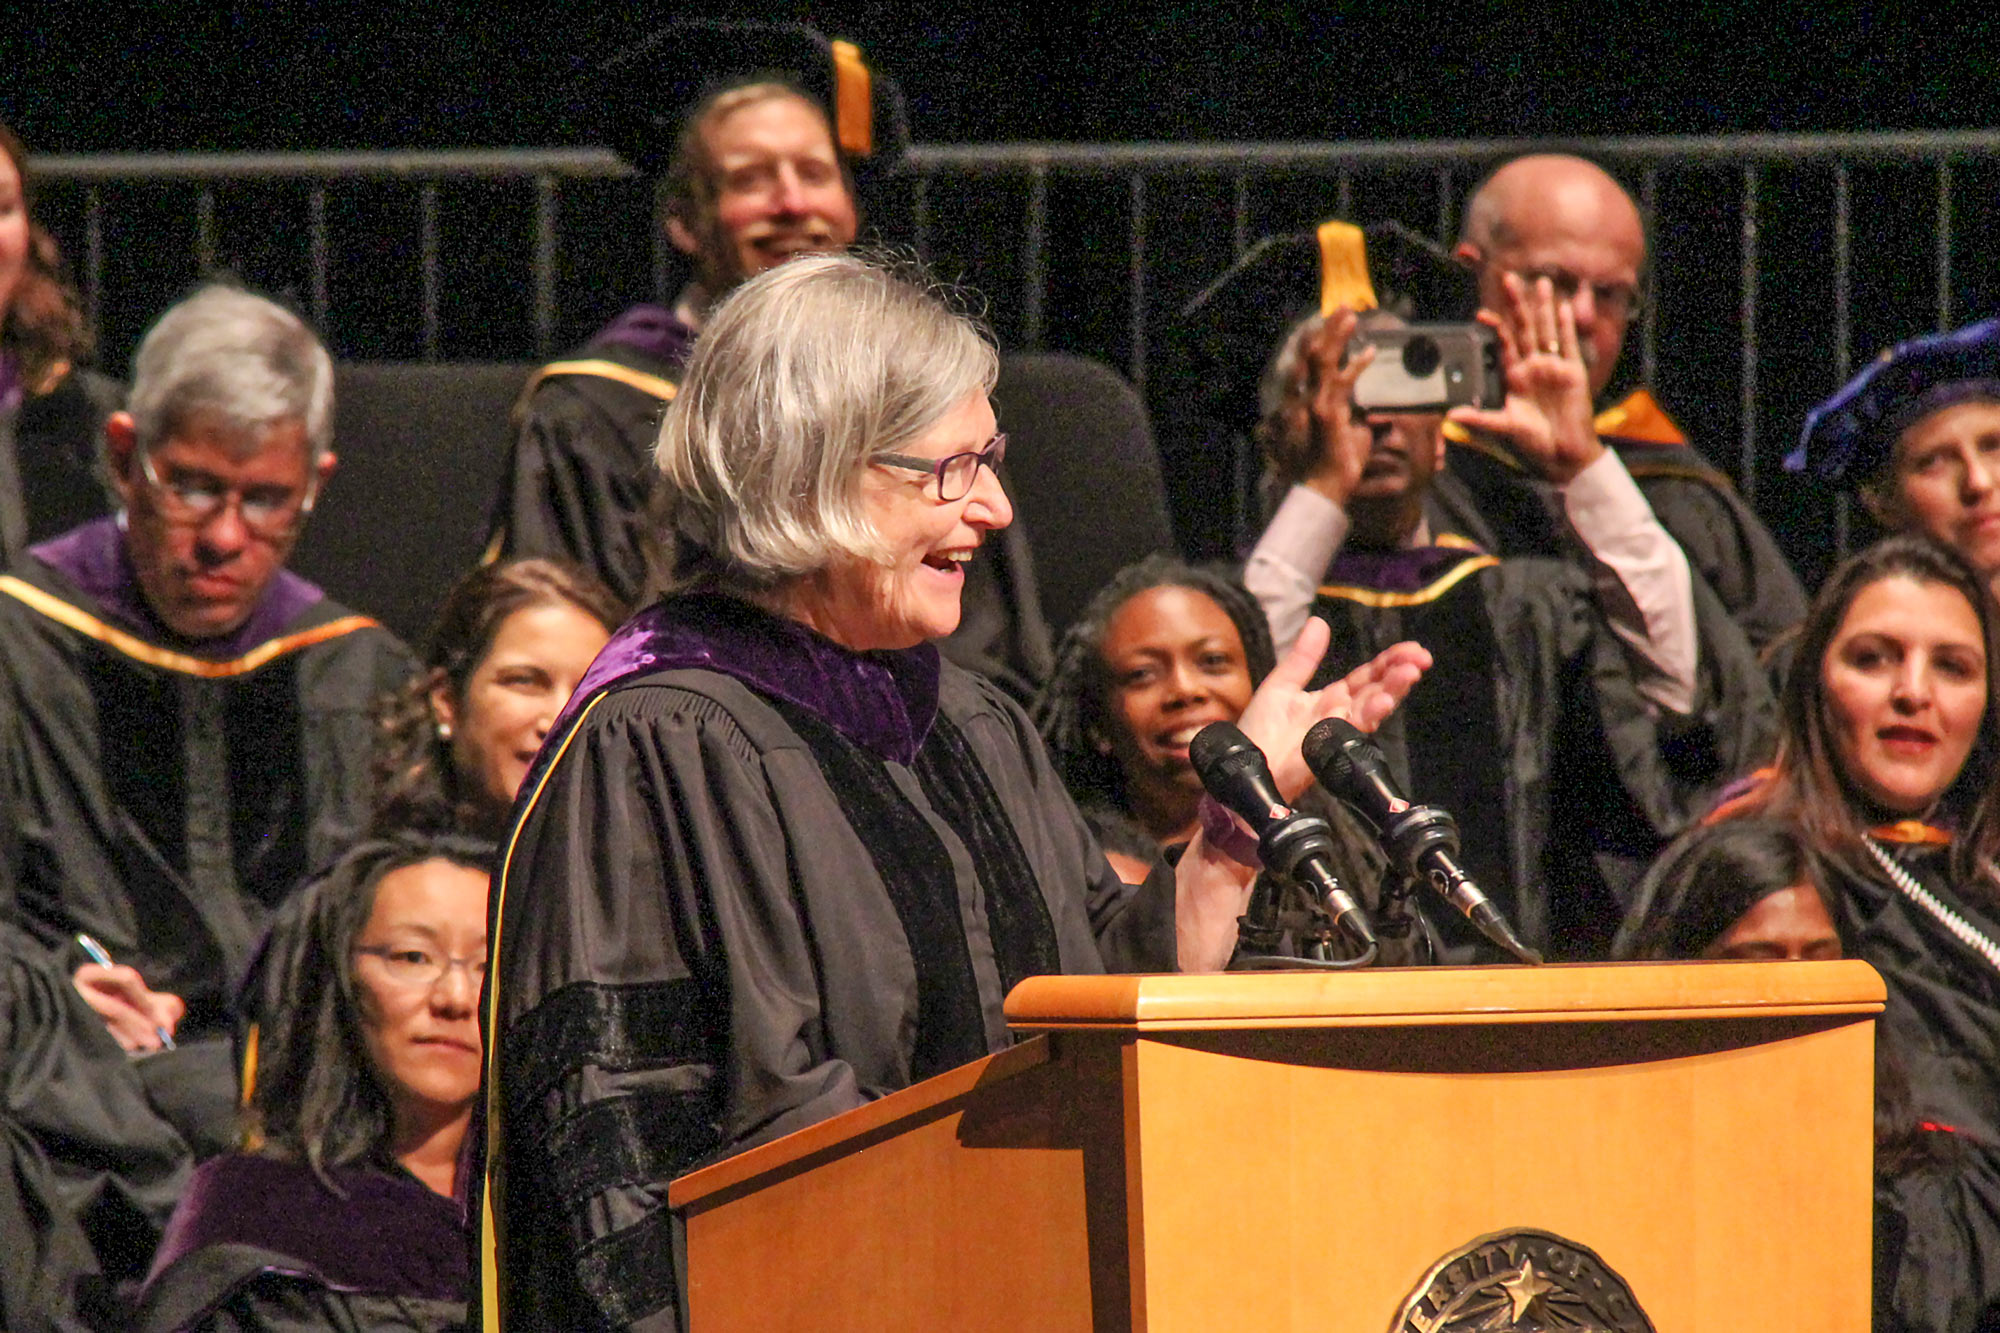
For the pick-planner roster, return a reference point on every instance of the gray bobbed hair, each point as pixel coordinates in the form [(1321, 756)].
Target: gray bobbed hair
[(246, 361), (801, 376)]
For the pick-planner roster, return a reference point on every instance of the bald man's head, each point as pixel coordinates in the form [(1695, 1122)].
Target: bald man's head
[(1564, 218)]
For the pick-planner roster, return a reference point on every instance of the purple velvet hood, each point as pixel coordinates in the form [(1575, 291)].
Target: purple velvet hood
[(884, 701)]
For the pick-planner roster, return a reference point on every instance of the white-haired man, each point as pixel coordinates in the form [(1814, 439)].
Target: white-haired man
[(194, 728)]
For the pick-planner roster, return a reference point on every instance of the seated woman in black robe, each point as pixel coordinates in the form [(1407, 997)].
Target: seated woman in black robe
[(1887, 765), (1749, 888), (342, 1216), (510, 643), (779, 859)]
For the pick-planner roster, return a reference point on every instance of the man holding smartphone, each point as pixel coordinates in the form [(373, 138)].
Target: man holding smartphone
[(1564, 220), (1573, 718)]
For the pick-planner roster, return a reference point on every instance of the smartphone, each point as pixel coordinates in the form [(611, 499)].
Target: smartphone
[(1428, 368)]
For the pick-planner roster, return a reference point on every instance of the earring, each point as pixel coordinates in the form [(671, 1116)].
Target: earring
[(444, 731)]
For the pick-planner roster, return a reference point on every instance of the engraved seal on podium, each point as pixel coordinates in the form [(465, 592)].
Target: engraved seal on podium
[(1521, 1281)]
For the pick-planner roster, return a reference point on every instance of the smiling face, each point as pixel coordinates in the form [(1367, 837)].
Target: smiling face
[(778, 191), (1790, 925), (204, 578), (514, 694), (1904, 686), (914, 596), (1944, 480), (423, 1040), (13, 231), (1175, 663)]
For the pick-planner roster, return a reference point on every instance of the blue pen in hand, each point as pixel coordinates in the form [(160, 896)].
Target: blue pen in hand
[(100, 956)]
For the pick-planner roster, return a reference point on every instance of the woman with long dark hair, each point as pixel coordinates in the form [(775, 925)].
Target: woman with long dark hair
[(511, 641), (1163, 649), (1748, 887), (1887, 768), (361, 1087)]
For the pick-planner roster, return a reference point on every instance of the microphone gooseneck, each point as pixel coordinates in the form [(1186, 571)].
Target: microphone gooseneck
[(1421, 840)]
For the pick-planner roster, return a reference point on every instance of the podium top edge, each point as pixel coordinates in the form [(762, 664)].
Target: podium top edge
[(1448, 995)]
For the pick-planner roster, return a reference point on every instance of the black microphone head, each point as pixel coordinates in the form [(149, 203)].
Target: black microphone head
[(1332, 747), (1214, 745)]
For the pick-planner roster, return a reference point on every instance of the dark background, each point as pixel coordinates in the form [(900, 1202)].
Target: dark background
[(248, 77), (94, 78)]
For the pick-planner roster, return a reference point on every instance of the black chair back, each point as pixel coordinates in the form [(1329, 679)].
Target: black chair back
[(421, 449), (1082, 472)]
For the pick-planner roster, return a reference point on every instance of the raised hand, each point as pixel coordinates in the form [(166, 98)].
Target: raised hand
[(1283, 709), (1547, 417), (1339, 444)]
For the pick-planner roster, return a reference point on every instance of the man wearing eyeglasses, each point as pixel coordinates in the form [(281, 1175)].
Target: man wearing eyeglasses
[(194, 730), (1561, 218)]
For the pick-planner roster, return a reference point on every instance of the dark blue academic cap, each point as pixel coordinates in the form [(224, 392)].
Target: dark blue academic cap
[(1852, 436), (642, 96)]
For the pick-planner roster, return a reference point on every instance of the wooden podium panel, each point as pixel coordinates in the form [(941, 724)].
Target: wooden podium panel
[(1296, 1151)]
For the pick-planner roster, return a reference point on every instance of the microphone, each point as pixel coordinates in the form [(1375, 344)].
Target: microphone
[(1422, 840), (1300, 847)]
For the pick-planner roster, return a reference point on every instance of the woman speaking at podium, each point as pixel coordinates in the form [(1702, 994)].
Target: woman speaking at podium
[(779, 858)]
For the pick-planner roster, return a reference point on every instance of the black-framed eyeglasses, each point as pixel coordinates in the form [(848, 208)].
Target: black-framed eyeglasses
[(421, 969), (271, 512), (955, 473), (1620, 300)]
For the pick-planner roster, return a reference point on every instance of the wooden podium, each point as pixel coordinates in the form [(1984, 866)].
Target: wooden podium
[(1301, 1151)]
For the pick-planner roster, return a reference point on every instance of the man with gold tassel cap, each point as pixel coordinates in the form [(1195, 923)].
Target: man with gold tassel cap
[(766, 141), (1565, 219), (1580, 706), (760, 137)]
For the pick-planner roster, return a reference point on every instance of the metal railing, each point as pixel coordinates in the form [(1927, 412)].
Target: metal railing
[(1778, 259)]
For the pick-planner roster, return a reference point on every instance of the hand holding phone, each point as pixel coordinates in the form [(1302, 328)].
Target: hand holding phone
[(1429, 368)]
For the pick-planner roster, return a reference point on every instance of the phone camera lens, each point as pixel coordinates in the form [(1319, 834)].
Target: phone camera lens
[(1421, 356)]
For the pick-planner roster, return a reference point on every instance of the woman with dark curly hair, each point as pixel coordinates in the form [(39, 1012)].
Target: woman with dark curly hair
[(51, 413), (1164, 649), (510, 643), (341, 1214)]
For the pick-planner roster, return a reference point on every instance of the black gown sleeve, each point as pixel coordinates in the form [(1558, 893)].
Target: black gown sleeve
[(93, 1171), (1729, 546)]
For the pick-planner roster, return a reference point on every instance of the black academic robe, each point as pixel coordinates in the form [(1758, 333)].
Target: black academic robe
[(263, 1246), (91, 1170), (1727, 545), (165, 802), (1937, 1239), (1529, 729), (748, 895), (1943, 1010), (50, 477), (579, 475)]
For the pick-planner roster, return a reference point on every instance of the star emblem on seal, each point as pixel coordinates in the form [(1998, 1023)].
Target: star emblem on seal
[(1523, 1281)]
